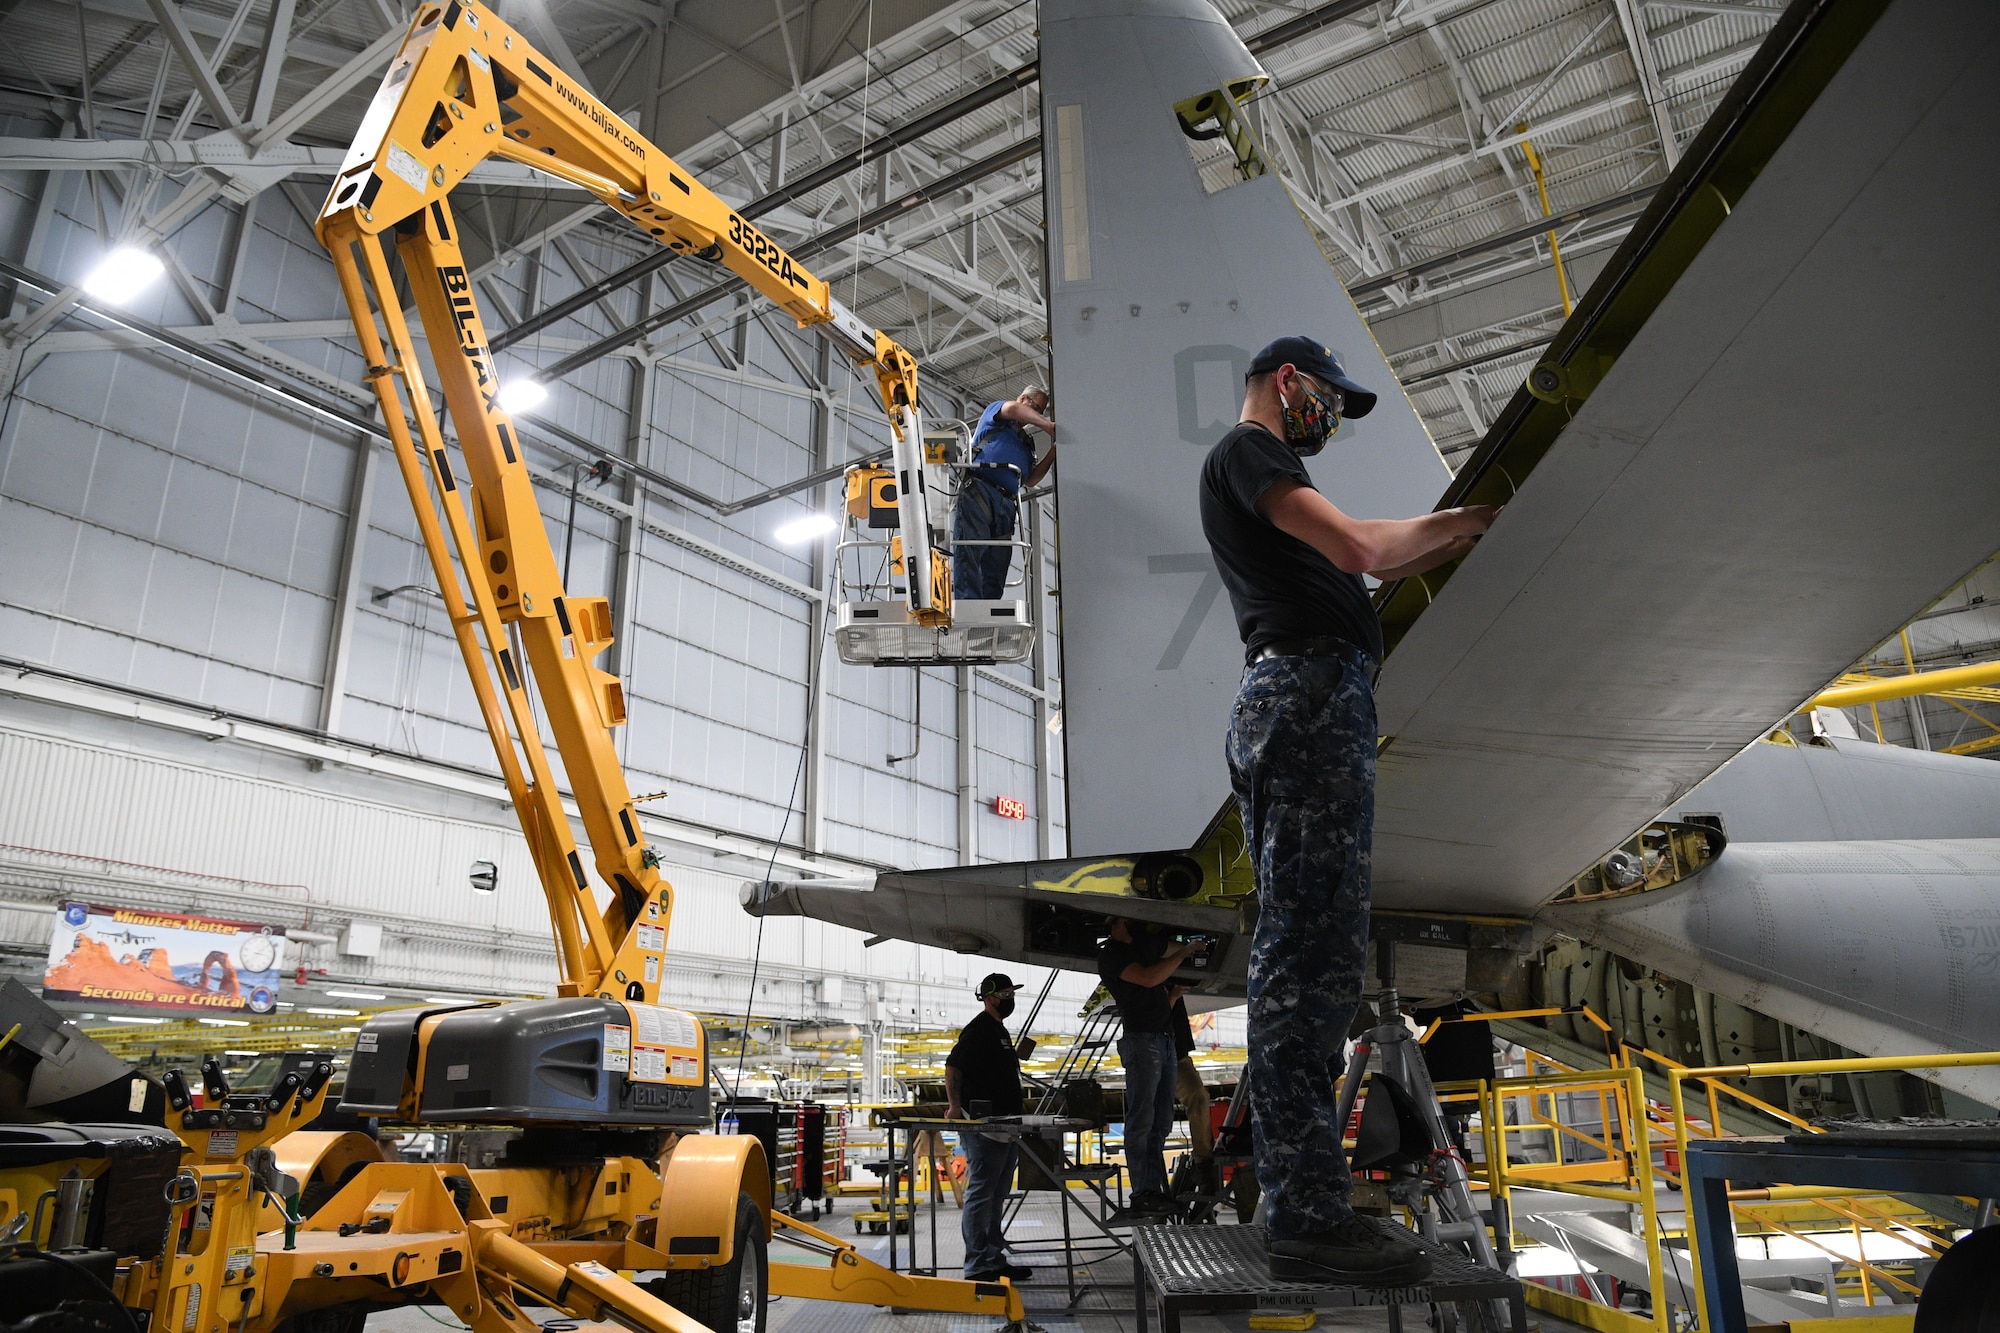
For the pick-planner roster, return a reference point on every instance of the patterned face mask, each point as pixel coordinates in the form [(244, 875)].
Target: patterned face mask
[(1312, 423)]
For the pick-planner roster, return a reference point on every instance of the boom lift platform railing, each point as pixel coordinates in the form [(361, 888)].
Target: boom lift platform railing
[(874, 625)]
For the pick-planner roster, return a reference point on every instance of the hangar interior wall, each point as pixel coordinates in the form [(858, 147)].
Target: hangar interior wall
[(172, 537)]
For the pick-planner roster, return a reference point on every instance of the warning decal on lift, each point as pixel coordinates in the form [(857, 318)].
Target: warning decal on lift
[(666, 1044), (658, 1026), (617, 1048)]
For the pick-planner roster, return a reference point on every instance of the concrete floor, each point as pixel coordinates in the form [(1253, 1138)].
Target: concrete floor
[(1035, 1237)]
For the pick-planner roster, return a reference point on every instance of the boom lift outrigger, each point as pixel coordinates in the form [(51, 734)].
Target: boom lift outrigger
[(610, 1089)]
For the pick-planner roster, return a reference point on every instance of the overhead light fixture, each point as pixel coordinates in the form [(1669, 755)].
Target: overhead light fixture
[(801, 530), (359, 994), (442, 999), (519, 396), (224, 1022), (350, 1029), (484, 877), (333, 1013), (120, 1018), (123, 275), (252, 1053)]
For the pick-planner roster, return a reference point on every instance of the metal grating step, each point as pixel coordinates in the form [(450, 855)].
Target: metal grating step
[(1224, 1267)]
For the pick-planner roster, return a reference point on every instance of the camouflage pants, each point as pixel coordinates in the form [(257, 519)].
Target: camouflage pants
[(1302, 760)]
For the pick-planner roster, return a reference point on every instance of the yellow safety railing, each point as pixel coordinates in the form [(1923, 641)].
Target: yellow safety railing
[(1628, 1169), (1712, 1076), (1623, 1092)]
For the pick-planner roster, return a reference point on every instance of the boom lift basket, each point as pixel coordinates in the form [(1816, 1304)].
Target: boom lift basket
[(873, 623)]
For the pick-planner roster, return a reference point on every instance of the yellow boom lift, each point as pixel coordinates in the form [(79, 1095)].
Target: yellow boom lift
[(612, 1175)]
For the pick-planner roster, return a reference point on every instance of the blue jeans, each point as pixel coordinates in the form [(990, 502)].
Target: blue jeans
[(985, 513), (1150, 1066), (1302, 761), (989, 1173)]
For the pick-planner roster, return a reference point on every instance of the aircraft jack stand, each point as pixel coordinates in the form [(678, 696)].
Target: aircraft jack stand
[(1449, 1213)]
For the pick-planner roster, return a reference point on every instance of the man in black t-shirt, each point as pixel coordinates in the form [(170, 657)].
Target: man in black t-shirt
[(983, 1074), (1136, 971), (1302, 761)]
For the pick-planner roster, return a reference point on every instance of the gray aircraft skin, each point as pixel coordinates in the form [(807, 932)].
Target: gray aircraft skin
[(1858, 899), (1763, 487)]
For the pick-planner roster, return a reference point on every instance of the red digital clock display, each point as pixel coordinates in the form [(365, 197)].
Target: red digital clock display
[(1009, 808)]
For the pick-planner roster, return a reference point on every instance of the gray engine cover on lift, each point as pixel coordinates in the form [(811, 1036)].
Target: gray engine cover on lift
[(530, 1062)]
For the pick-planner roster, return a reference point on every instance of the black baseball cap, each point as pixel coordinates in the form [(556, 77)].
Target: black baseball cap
[(995, 983), (1321, 362)]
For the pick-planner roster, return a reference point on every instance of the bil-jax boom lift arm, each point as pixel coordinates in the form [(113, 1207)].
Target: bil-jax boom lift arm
[(464, 87)]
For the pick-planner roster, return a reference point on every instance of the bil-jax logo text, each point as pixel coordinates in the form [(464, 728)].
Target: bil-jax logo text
[(471, 337), (603, 119)]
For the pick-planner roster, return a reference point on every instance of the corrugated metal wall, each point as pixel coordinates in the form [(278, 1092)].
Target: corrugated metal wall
[(176, 835)]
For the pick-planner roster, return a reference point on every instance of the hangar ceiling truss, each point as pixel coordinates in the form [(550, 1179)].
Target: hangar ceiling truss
[(1400, 128)]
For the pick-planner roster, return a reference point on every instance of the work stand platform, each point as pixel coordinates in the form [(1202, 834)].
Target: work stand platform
[(1224, 1268)]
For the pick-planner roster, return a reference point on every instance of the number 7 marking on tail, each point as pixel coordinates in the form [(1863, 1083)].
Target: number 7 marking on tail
[(1205, 594)]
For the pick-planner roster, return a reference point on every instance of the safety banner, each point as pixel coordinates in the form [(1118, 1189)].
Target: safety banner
[(162, 960)]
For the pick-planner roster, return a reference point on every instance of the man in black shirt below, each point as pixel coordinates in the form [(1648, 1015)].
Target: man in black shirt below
[(983, 1073), (1302, 761), (1136, 973)]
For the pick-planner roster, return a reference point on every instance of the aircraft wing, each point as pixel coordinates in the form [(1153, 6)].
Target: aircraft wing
[(1757, 461)]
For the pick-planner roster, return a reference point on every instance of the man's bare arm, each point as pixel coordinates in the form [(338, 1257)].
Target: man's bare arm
[(1429, 560), (1144, 974), (953, 1110), (1365, 545), (1016, 410), (1042, 466)]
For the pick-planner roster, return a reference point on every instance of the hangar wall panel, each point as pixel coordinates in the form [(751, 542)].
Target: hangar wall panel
[(105, 824)]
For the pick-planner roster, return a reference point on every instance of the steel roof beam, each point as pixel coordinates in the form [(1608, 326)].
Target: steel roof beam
[(1649, 80), (1502, 241), (168, 16), (934, 119), (873, 218)]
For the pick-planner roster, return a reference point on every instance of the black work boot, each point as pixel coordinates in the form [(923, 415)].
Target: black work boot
[(1350, 1251)]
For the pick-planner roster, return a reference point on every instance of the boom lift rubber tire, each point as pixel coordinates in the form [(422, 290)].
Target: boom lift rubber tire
[(735, 1297), (314, 1196)]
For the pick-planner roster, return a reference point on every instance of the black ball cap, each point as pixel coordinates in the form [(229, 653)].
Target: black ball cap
[(1316, 359), (995, 983)]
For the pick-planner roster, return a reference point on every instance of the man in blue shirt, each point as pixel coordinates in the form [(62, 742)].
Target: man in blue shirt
[(1002, 457)]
